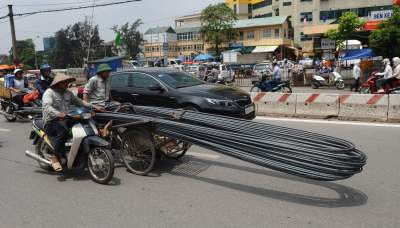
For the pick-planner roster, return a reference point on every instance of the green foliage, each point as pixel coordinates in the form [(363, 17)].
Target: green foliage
[(129, 37), (217, 28), (72, 45), (386, 40), (26, 53), (349, 23)]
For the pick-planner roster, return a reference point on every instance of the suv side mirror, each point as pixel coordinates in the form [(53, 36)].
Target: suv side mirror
[(156, 87)]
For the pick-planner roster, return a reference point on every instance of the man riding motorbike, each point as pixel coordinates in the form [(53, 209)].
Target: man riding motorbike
[(276, 72), (18, 86), (56, 102), (44, 82)]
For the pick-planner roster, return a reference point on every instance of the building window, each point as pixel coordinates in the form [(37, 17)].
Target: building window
[(262, 4), (287, 3), (267, 33), (241, 36), (277, 33), (306, 0), (361, 12), (235, 8), (250, 35), (306, 15)]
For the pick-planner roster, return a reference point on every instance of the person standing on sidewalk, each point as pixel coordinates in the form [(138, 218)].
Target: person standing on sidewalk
[(356, 76)]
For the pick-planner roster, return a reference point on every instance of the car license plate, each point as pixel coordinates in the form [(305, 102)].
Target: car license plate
[(249, 109)]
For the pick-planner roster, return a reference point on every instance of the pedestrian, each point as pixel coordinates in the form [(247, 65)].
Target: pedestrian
[(387, 73), (356, 76)]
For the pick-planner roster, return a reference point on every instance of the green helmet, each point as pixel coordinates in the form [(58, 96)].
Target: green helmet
[(103, 67)]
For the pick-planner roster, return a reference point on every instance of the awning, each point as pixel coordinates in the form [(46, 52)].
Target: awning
[(261, 49), (357, 54)]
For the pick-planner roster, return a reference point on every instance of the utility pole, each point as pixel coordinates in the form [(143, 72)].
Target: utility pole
[(13, 37)]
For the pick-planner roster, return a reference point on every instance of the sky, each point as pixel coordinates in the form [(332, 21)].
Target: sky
[(152, 12)]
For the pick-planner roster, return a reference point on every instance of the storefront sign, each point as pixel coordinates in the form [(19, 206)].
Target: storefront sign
[(380, 15), (372, 25), (327, 44), (308, 46)]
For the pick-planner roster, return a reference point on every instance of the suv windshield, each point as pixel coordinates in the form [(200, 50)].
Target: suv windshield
[(179, 80)]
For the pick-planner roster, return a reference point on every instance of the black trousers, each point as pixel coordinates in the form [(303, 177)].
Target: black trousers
[(356, 85), (58, 132)]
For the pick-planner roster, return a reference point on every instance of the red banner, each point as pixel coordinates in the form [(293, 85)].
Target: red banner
[(396, 2), (372, 25)]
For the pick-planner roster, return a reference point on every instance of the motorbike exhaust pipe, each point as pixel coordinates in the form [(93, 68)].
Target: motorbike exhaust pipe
[(37, 157)]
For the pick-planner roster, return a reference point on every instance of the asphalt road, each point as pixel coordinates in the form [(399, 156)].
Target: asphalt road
[(205, 189)]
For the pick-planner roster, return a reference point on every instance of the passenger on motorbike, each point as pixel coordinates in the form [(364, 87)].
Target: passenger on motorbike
[(387, 83), (387, 73), (44, 82), (97, 90), (276, 78), (56, 102)]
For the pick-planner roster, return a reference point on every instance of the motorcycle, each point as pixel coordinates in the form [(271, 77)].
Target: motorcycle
[(333, 79), (370, 86), (283, 87), (12, 111), (85, 149)]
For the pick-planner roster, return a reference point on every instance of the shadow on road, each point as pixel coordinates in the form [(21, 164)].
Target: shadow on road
[(348, 197)]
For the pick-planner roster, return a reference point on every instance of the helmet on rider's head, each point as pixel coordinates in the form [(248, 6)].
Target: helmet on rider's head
[(386, 61), (43, 68), (18, 71), (396, 61)]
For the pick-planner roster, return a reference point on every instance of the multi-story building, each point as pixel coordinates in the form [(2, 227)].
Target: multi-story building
[(49, 43), (160, 42), (305, 13), (189, 42)]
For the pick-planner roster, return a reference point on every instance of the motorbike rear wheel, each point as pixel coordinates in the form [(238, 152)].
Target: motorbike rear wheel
[(138, 151), (100, 165), (314, 85), (41, 148)]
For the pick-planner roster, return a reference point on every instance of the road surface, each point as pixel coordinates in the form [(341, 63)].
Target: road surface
[(206, 189)]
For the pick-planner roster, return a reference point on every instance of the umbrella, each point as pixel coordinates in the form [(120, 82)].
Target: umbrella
[(203, 57)]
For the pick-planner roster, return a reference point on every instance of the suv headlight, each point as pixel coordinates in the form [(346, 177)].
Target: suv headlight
[(224, 103)]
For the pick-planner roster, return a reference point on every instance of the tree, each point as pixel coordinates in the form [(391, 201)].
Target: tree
[(26, 51), (217, 25), (349, 23), (386, 40), (130, 37), (72, 44)]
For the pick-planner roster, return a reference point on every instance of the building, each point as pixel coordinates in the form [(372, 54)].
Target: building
[(189, 42), (160, 43), (49, 43), (306, 13)]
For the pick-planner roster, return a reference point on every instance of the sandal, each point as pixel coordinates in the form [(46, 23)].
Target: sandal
[(56, 166)]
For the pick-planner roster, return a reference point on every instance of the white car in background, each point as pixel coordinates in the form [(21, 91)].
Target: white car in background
[(261, 68)]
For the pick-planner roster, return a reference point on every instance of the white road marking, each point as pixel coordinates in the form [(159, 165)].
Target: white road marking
[(204, 155), (4, 130), (396, 125)]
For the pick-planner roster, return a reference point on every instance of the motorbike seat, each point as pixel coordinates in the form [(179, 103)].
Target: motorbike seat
[(38, 123)]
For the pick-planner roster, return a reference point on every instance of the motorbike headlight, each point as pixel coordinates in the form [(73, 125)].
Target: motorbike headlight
[(224, 103), (86, 116)]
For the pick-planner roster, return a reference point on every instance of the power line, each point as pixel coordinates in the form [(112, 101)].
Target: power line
[(75, 8), (52, 4)]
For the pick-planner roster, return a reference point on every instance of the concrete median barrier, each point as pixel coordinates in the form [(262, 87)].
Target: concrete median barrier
[(394, 108), (317, 105), (364, 107), (275, 104)]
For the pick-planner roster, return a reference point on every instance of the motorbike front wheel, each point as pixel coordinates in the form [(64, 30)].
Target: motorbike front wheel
[(340, 85), (41, 149), (365, 90), (100, 165), (255, 89), (9, 114)]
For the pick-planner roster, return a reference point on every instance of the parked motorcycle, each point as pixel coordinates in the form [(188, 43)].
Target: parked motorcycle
[(283, 87), (12, 111), (330, 80), (85, 149)]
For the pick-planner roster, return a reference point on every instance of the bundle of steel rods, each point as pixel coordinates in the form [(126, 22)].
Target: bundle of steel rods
[(288, 150)]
